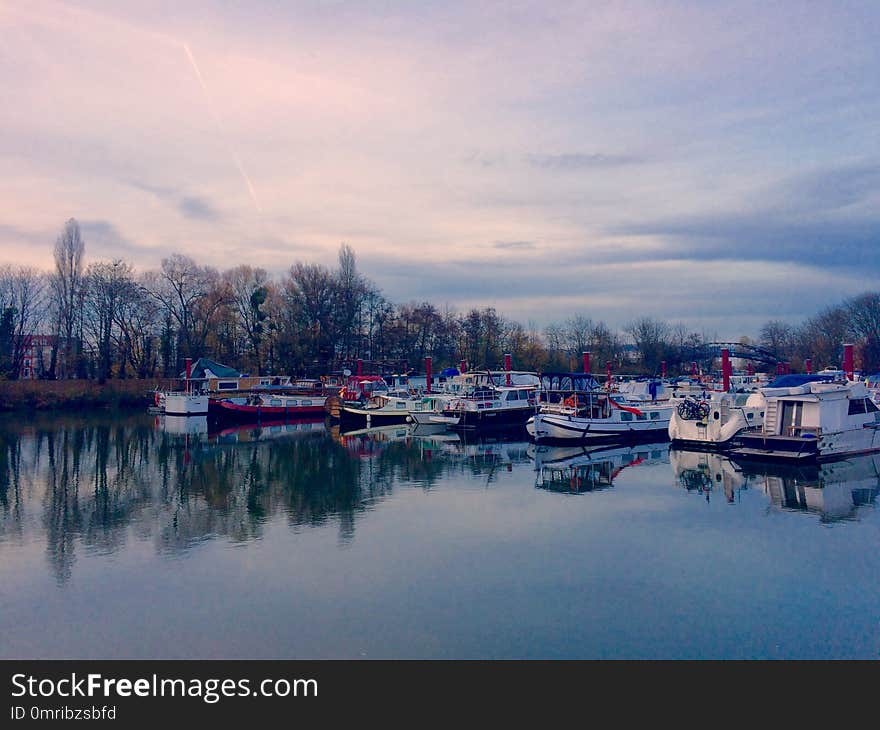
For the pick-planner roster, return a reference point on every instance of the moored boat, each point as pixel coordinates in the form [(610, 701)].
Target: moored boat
[(715, 421), (811, 417), (596, 416), (270, 406)]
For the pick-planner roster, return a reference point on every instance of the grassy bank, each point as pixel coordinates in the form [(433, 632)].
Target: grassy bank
[(29, 395)]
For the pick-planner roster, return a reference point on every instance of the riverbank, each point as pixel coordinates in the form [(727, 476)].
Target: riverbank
[(45, 395)]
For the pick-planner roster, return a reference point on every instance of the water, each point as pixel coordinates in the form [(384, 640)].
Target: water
[(128, 537)]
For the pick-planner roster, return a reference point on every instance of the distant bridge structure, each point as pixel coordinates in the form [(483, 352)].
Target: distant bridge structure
[(736, 350)]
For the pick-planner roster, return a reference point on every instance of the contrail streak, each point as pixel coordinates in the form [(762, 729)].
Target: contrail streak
[(232, 153)]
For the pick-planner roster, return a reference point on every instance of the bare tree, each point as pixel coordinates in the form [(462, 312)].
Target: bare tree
[(137, 321), (651, 338), (351, 290), (249, 290), (22, 303), (778, 337), (67, 290), (107, 286), (864, 322), (191, 295)]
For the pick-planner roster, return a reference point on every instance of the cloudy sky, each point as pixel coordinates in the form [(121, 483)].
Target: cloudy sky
[(711, 162)]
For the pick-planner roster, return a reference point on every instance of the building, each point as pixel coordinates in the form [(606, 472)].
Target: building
[(37, 355)]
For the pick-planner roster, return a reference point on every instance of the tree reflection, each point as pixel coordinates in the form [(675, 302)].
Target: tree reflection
[(91, 484)]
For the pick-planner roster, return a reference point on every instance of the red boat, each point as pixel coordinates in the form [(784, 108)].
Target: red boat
[(262, 406)]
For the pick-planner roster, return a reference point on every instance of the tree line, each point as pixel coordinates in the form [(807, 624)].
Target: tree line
[(106, 320)]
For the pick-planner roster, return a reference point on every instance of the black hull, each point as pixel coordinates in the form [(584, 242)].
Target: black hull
[(489, 420)]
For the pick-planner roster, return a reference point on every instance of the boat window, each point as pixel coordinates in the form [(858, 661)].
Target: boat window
[(654, 415), (716, 415), (227, 385), (511, 395), (641, 417), (275, 402), (524, 395), (872, 407), (400, 404), (857, 405), (304, 403), (626, 416), (750, 415)]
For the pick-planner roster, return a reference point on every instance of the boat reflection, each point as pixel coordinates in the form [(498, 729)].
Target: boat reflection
[(704, 472), (581, 469), (835, 491), (447, 451), (209, 432), (182, 425)]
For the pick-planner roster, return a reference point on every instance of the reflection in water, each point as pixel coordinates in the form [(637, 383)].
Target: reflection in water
[(94, 483), (833, 490), (301, 541), (422, 455), (580, 469)]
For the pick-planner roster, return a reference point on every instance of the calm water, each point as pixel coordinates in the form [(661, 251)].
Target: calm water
[(128, 537)]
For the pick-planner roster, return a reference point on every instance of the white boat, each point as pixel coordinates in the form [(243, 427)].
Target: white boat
[(715, 421), (383, 408), (598, 416), (185, 404), (806, 418)]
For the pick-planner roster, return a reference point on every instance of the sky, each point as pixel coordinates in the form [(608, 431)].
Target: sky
[(715, 163)]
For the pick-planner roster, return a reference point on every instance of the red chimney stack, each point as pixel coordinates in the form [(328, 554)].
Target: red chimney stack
[(848, 362), (725, 369)]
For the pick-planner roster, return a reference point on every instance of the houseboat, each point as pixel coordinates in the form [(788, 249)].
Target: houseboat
[(813, 417), (189, 401), (267, 406)]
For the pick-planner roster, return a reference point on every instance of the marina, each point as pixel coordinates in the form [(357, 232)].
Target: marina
[(407, 542)]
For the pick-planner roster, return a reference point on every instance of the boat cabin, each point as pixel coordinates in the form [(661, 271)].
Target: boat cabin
[(816, 407)]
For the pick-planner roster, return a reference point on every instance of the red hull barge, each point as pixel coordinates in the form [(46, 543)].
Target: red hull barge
[(228, 409)]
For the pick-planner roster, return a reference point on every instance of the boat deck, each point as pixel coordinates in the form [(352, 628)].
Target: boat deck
[(767, 446)]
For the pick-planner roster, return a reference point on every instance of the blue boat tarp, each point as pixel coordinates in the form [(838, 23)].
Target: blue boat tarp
[(449, 373), (794, 380)]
